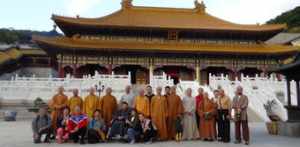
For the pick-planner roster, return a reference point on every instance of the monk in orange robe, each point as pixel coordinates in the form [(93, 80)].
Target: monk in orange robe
[(159, 113), (175, 109), (207, 113), (75, 101), (141, 104), (90, 103), (108, 104), (57, 104)]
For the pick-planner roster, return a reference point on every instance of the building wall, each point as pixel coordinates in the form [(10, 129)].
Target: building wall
[(29, 71)]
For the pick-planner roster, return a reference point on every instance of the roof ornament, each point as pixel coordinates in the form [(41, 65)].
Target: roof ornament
[(54, 27), (200, 6), (126, 4)]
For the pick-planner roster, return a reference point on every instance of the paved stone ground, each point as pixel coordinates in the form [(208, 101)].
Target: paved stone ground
[(18, 134)]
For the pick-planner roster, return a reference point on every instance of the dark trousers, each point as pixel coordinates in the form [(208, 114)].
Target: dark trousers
[(118, 128), (78, 135), (149, 135), (133, 134), (197, 119), (93, 136), (223, 125), (46, 132), (242, 124)]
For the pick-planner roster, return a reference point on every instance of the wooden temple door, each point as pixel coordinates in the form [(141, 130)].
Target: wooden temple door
[(141, 77)]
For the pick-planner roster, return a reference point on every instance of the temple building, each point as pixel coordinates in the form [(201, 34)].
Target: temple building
[(186, 44)]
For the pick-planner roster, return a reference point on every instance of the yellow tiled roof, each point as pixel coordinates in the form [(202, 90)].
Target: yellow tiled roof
[(171, 18), (14, 53), (168, 46), (34, 51), (4, 58), (11, 54)]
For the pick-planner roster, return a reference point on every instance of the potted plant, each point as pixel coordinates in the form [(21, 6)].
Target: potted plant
[(272, 126), (37, 103)]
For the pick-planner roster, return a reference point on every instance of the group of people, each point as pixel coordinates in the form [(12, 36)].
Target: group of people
[(144, 117)]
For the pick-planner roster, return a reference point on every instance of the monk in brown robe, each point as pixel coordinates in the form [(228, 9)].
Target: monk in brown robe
[(159, 113), (141, 104), (175, 109), (207, 113), (74, 101), (90, 103), (57, 104), (108, 105)]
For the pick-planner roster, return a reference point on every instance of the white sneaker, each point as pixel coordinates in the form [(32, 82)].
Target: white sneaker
[(132, 142)]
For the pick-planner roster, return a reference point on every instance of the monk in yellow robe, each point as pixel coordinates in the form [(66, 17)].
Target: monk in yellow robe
[(141, 104), (207, 113), (75, 101), (159, 113), (57, 104), (175, 109), (90, 103), (108, 105)]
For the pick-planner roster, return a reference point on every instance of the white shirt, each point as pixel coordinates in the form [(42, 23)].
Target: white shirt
[(128, 98)]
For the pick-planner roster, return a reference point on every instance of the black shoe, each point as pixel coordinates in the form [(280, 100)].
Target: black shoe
[(82, 142), (246, 142), (37, 141), (75, 140), (47, 140)]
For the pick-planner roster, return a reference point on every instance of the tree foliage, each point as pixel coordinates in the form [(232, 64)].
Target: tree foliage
[(11, 36), (291, 18)]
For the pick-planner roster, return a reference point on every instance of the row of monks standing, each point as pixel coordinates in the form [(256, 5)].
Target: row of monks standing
[(162, 109)]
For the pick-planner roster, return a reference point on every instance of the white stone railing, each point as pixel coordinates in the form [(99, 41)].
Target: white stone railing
[(29, 88), (161, 80), (259, 90)]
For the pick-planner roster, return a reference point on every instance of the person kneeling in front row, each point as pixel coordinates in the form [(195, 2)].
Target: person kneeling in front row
[(77, 126), (134, 127), (96, 128), (149, 129), (41, 125)]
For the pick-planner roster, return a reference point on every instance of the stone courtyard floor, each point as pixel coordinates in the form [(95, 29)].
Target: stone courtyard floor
[(18, 134)]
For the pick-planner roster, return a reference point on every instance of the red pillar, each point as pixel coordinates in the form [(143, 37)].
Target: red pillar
[(61, 71), (109, 69), (75, 70)]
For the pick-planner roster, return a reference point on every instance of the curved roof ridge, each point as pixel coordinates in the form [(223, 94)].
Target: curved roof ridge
[(169, 18)]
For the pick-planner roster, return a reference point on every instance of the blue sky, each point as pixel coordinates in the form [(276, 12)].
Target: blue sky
[(35, 14)]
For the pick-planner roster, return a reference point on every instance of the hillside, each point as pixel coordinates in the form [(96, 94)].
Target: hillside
[(291, 18), (11, 36)]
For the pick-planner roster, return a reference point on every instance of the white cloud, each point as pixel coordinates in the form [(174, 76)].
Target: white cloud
[(80, 7)]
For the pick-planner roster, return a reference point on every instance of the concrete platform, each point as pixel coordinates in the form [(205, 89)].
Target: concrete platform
[(18, 134)]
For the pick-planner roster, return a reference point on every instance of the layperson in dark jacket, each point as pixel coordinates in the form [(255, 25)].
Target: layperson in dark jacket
[(41, 125), (134, 127), (119, 126)]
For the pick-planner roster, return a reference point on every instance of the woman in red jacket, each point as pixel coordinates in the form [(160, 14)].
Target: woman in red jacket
[(77, 126)]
